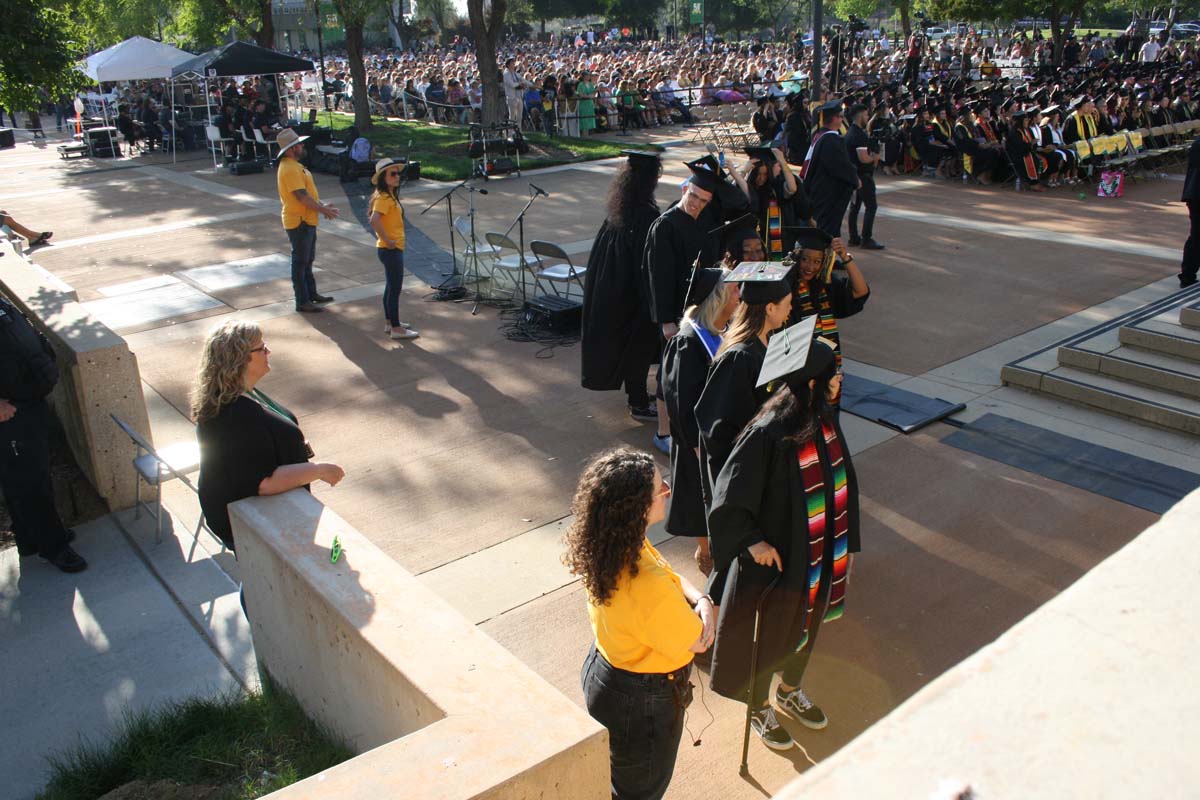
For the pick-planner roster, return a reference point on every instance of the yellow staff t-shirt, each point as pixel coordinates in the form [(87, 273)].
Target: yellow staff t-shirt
[(291, 175), (647, 625), (391, 219)]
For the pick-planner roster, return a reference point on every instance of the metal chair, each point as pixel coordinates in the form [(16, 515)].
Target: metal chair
[(516, 264), (566, 273), (156, 468)]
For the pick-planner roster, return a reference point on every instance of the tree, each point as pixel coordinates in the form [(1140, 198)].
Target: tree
[(487, 25), (252, 17), (440, 11), (36, 52), (354, 15), (844, 9)]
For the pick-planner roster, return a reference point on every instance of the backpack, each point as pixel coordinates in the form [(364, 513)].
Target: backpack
[(360, 150)]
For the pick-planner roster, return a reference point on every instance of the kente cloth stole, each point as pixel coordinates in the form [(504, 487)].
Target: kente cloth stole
[(826, 322), (774, 231), (815, 496)]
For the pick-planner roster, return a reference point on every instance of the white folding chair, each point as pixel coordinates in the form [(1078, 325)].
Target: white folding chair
[(216, 142), (471, 250), (156, 468), (516, 265), (564, 271), (265, 142)]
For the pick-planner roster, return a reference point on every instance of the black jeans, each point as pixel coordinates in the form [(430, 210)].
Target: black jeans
[(1191, 248), (644, 717), (25, 476), (304, 251), (865, 196)]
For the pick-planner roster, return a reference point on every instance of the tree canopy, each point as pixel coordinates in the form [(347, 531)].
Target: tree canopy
[(37, 51)]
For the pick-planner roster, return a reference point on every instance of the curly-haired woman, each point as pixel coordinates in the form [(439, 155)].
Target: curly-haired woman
[(648, 621), (249, 444)]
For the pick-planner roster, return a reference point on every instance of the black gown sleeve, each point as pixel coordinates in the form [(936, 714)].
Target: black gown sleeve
[(726, 405), (661, 263), (836, 161), (693, 372), (733, 523), (841, 297)]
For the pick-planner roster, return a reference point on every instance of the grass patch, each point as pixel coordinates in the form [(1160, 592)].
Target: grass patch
[(442, 149), (228, 748)]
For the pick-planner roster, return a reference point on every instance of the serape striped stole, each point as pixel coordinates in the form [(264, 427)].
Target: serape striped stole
[(820, 523)]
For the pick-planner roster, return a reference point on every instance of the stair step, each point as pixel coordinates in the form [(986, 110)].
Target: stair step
[(1159, 337), (1189, 316), (1144, 367), (1115, 396)]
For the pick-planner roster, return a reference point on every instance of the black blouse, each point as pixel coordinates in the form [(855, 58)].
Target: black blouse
[(239, 447)]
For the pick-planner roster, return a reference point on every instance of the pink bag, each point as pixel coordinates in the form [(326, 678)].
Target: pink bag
[(1112, 184)]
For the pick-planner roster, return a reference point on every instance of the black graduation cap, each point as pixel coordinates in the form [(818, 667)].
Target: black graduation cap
[(702, 283), (907, 117), (830, 108), (704, 178), (1078, 101), (762, 281), (762, 154), (808, 238), (709, 162), (646, 155), (1048, 110), (1020, 113), (1041, 96), (795, 356)]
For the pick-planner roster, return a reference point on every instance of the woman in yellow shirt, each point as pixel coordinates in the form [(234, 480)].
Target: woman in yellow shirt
[(649, 622), (387, 218)]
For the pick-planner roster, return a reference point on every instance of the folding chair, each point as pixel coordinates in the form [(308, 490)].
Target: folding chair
[(156, 468), (470, 252), (566, 273), (259, 139), (516, 265), (216, 142)]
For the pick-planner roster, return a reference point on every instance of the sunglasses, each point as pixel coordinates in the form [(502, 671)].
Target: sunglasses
[(392, 173)]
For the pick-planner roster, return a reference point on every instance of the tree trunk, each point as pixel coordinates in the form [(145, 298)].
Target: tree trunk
[(487, 29), (905, 22), (265, 36), (358, 74)]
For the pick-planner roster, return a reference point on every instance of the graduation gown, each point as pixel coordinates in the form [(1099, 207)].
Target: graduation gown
[(617, 331), (830, 180), (674, 241), (760, 496), (793, 211), (686, 362), (729, 401)]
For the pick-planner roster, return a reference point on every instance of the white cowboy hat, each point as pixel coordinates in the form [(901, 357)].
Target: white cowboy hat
[(288, 138)]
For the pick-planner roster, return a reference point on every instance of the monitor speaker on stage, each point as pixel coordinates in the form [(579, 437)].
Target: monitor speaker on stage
[(7, 138)]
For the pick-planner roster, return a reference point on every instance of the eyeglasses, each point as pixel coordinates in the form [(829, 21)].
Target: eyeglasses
[(262, 348), (664, 489)]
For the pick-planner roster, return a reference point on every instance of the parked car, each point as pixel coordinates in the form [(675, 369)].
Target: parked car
[(935, 34)]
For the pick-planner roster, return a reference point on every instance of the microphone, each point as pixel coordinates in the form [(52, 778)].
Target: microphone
[(539, 190), (482, 191)]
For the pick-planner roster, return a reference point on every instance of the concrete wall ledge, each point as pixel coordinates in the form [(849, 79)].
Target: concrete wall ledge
[(435, 708), (99, 376), (1093, 695)]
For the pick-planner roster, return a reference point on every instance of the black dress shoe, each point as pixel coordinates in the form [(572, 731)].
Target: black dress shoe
[(1183, 284), (32, 551), (67, 560), (871, 244), (309, 308), (322, 298), (854, 241)]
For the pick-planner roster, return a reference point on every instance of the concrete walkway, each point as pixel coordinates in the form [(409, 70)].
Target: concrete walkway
[(128, 634)]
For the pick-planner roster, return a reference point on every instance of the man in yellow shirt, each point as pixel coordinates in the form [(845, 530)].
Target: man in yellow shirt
[(301, 212)]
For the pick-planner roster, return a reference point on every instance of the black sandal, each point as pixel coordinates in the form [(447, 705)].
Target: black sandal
[(42, 238)]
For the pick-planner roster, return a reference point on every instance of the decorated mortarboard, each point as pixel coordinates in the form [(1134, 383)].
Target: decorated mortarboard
[(704, 178), (709, 162), (795, 356), (702, 283), (763, 155), (641, 155), (907, 117), (762, 281)]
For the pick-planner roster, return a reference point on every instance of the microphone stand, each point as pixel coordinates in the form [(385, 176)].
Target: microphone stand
[(519, 224), (449, 198)]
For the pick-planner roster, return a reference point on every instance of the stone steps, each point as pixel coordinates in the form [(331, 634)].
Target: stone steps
[(1144, 365)]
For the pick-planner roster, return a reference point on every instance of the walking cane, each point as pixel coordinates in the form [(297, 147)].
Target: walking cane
[(744, 771)]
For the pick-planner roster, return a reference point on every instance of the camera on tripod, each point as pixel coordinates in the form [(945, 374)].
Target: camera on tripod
[(857, 24), (924, 21)]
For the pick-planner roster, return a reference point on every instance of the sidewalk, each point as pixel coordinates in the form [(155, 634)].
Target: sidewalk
[(80, 651)]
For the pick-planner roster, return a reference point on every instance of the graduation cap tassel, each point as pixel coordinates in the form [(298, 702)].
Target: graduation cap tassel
[(744, 770)]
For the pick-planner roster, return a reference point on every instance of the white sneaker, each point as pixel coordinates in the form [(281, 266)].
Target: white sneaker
[(403, 333)]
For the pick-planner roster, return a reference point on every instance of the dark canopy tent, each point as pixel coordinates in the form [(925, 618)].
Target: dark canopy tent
[(239, 58), (242, 58)]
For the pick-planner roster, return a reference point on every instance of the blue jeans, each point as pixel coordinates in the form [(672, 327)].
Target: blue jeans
[(393, 271), (304, 251), (644, 717)]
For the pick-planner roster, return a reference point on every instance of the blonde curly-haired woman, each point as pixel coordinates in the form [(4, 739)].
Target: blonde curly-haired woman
[(249, 444)]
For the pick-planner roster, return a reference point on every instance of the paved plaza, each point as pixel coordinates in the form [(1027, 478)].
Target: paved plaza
[(462, 448)]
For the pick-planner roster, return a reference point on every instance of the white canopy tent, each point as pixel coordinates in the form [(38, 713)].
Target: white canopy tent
[(136, 59)]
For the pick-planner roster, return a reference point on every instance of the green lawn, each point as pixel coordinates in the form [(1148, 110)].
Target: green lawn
[(246, 746), (442, 149)]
